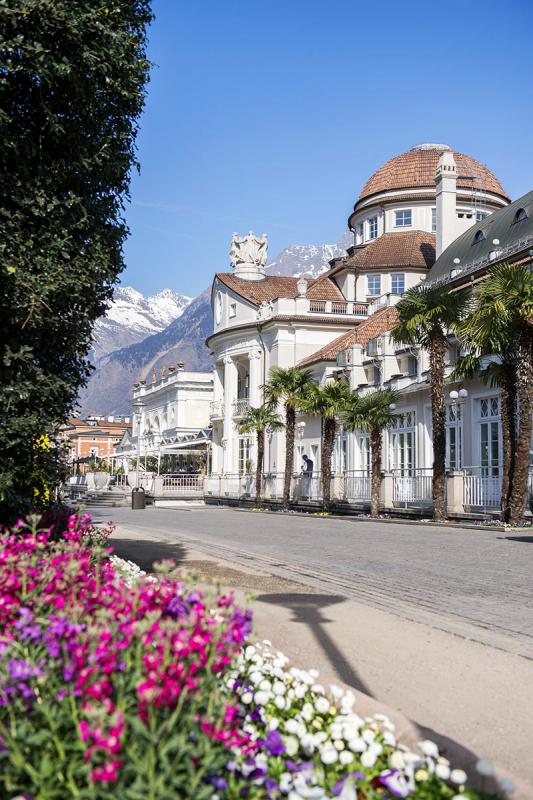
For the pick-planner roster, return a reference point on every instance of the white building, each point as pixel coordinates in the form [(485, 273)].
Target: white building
[(408, 213), (171, 412)]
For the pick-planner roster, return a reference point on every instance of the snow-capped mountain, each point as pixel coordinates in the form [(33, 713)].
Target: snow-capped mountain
[(132, 317), (305, 260), (183, 339)]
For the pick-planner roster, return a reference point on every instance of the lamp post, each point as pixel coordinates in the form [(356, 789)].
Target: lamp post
[(137, 408), (457, 398)]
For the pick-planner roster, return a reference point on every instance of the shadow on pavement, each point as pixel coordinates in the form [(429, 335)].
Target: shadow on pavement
[(308, 609), (146, 553), (525, 539)]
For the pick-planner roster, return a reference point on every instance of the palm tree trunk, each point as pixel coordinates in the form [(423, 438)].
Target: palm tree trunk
[(290, 418), (328, 440), (259, 466), (508, 418), (437, 352), (524, 375), (375, 478)]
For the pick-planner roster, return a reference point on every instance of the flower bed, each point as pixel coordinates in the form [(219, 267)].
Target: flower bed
[(114, 684)]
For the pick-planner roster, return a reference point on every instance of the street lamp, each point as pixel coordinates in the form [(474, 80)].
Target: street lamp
[(137, 410)]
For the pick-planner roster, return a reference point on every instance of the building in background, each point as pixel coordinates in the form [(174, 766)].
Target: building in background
[(408, 214), (94, 438)]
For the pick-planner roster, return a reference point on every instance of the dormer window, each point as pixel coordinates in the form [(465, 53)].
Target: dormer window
[(520, 215), (373, 228), (403, 219), (479, 237)]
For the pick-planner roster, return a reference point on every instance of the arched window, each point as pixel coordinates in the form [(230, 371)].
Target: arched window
[(520, 215), (479, 237)]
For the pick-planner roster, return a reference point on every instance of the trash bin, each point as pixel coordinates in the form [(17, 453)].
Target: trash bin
[(138, 498)]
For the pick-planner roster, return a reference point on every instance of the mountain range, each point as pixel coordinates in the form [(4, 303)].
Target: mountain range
[(140, 334)]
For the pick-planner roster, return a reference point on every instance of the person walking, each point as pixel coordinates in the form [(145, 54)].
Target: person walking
[(307, 472)]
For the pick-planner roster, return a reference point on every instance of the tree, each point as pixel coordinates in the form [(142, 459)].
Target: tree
[(373, 413), (258, 420), (289, 386), (327, 400), (72, 80), (503, 317), (426, 314)]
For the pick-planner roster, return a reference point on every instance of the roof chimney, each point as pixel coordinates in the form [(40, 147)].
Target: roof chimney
[(446, 185)]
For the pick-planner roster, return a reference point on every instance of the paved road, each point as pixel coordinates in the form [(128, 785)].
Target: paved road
[(476, 584)]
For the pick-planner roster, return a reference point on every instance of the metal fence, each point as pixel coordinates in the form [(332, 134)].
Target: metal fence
[(179, 484), (357, 486), (412, 487)]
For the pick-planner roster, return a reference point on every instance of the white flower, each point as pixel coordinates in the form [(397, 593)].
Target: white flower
[(368, 735), (291, 726), (429, 748), (308, 712), (396, 760), (336, 691), (317, 688), (250, 651), (300, 691), (346, 757), (307, 743), (369, 758), (279, 702), (265, 685), (261, 698), (255, 678), (458, 776), (285, 781), (442, 771), (314, 673), (322, 705), (338, 744), (357, 745), (328, 755), (389, 738), (278, 688), (247, 698), (291, 745)]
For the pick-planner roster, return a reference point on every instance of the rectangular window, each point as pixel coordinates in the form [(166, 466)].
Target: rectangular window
[(359, 238), (404, 218), (433, 220), (232, 309), (373, 285), (373, 228), (480, 215), (397, 283), (244, 456), (403, 443)]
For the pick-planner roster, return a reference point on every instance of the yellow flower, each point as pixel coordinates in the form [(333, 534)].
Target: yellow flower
[(421, 775), (42, 442)]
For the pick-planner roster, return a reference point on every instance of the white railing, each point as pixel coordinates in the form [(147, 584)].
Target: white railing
[(481, 490), (338, 307), (216, 409), (119, 480), (307, 486), (317, 306), (273, 485), (180, 484), (356, 486), (241, 406), (413, 486)]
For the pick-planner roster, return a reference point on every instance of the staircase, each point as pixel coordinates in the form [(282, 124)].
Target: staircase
[(108, 498)]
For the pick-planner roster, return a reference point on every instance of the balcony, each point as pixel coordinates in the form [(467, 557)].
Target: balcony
[(241, 406), (216, 409), (338, 308)]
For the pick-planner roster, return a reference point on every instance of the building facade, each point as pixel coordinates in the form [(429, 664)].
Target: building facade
[(93, 438), (429, 214), (170, 411)]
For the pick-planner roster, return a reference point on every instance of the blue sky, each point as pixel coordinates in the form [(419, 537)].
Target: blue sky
[(271, 114)]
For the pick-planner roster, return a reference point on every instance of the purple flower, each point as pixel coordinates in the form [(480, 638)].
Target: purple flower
[(397, 783), (26, 625), (177, 607), (21, 670), (271, 786), (274, 743), (218, 782)]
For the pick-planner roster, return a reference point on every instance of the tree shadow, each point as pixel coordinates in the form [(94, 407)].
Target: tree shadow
[(524, 539), (146, 552), (308, 610)]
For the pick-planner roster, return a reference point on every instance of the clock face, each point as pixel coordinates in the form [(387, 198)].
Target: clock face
[(218, 307)]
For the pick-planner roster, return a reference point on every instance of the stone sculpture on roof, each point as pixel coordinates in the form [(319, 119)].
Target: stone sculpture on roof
[(249, 249)]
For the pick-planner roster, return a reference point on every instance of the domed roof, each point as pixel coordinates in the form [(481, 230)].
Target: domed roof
[(417, 167)]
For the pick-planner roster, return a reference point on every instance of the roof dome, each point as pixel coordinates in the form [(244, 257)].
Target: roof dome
[(416, 168)]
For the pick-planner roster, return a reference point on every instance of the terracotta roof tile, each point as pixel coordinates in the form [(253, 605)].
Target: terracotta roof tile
[(402, 249), (274, 286), (383, 320), (417, 167)]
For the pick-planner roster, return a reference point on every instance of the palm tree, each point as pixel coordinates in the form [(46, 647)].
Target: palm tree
[(327, 401), (425, 315), (504, 309), (258, 420), (288, 385), (373, 413)]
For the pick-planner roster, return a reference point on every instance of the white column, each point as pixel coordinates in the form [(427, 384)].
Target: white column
[(255, 378), (230, 394)]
